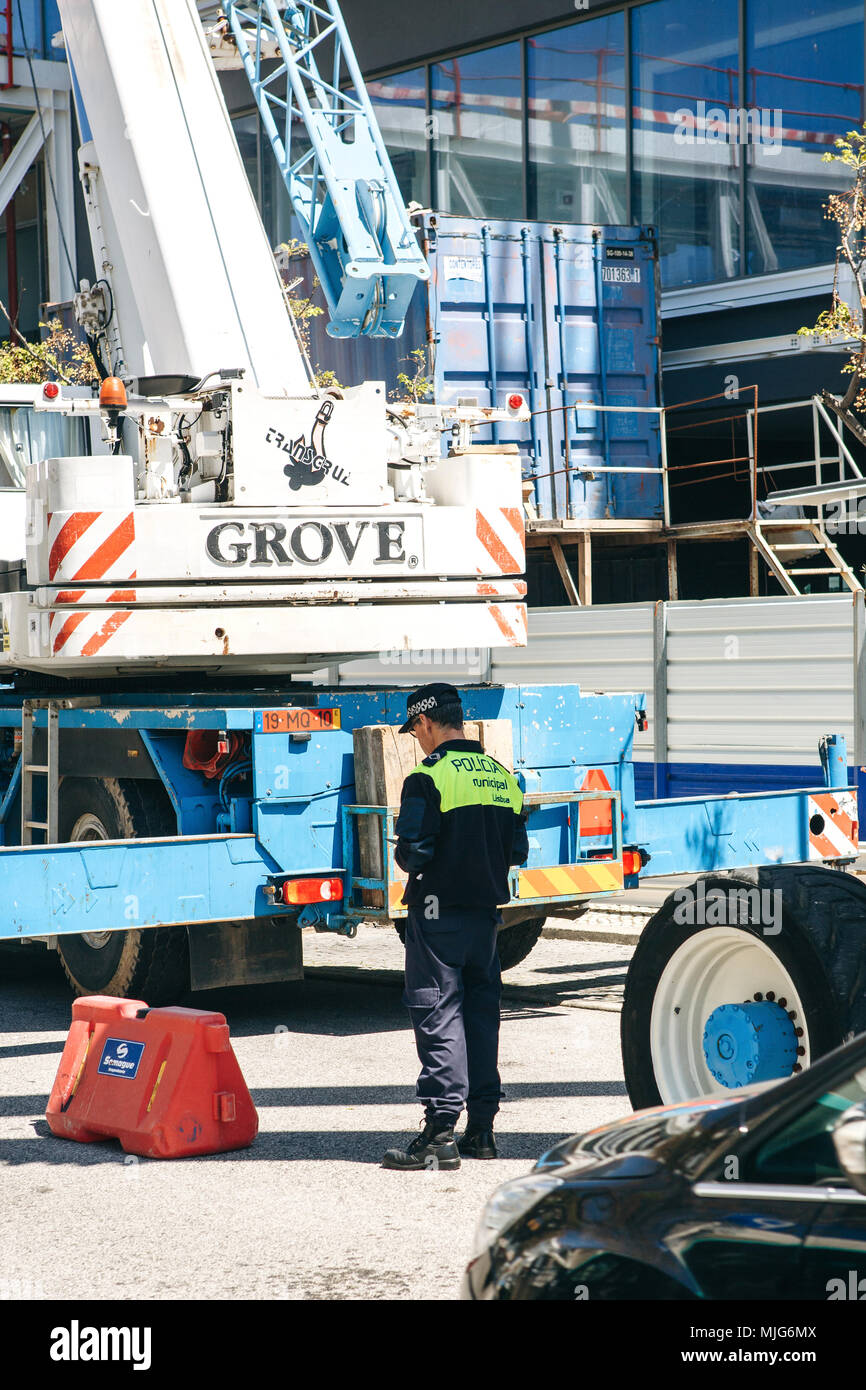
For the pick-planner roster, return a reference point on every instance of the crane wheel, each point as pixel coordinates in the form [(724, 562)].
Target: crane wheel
[(748, 979), (150, 963)]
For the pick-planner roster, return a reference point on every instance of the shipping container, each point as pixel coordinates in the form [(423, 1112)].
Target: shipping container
[(567, 315)]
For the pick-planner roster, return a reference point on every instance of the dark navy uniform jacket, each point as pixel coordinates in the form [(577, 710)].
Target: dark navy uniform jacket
[(461, 826)]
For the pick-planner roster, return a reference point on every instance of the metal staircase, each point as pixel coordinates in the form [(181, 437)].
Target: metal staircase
[(775, 542), (837, 481)]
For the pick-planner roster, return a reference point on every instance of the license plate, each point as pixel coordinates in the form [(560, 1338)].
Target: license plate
[(296, 721)]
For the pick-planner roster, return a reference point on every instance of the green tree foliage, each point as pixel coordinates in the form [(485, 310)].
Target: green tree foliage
[(304, 310), (418, 386), (412, 386), (60, 356), (848, 318)]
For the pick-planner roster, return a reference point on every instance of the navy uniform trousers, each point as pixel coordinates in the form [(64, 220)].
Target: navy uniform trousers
[(453, 986)]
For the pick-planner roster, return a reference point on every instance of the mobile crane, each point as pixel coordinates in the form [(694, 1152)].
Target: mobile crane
[(175, 805), (232, 483)]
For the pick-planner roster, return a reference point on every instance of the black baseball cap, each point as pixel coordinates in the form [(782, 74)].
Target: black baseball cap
[(427, 699)]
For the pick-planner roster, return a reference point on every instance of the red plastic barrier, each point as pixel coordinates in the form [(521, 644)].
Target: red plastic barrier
[(165, 1082)]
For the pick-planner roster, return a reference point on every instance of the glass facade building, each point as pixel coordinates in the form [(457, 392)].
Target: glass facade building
[(24, 276), (576, 146), (707, 121)]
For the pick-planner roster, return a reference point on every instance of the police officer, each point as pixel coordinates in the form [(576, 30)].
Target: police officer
[(461, 825)]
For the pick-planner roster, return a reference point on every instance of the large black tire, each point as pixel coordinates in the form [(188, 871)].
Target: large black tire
[(150, 963), (821, 946), (515, 942)]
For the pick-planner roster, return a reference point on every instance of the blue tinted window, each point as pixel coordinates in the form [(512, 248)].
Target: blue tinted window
[(248, 136), (686, 170), (478, 133), (400, 103), (576, 105), (804, 76), (41, 21)]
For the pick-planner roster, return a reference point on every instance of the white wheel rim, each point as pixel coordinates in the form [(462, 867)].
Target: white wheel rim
[(719, 965), (90, 827)]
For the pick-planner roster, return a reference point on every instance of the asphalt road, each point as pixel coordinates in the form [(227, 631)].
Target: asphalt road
[(307, 1212)]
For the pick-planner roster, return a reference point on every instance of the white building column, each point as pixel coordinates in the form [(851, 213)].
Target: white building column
[(60, 219), (51, 130)]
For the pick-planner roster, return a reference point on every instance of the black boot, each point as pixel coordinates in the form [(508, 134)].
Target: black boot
[(433, 1148), (477, 1141)]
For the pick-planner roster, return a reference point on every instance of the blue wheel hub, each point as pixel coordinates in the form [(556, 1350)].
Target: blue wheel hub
[(749, 1042)]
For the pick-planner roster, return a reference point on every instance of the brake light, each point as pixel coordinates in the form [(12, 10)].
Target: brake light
[(312, 890)]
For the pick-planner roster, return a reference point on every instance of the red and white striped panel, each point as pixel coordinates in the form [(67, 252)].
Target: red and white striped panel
[(87, 598), (86, 632), (836, 831), (516, 588), (90, 545), (509, 624), (501, 539), (136, 631), (79, 629)]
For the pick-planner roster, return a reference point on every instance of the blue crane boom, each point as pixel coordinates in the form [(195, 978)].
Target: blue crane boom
[(330, 152)]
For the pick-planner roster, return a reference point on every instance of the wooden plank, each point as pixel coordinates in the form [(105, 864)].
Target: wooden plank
[(584, 568), (544, 526), (565, 574), (496, 737), (754, 572), (383, 760), (673, 585)]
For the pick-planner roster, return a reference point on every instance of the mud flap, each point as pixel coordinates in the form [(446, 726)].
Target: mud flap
[(259, 951)]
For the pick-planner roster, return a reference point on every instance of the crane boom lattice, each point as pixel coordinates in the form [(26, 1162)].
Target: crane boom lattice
[(317, 114)]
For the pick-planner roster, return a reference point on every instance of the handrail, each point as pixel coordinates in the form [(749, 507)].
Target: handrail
[(388, 815)]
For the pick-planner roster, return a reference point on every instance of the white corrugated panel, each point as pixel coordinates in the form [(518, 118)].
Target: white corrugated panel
[(758, 679), (600, 649), (748, 680)]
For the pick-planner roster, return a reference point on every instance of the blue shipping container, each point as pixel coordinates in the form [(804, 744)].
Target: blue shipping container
[(562, 313)]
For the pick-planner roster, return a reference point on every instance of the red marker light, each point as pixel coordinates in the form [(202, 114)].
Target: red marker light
[(515, 402), (312, 890), (50, 391)]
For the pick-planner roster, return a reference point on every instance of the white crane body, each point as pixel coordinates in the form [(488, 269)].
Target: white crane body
[(242, 518), (192, 272)]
